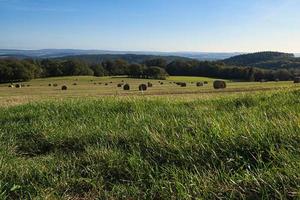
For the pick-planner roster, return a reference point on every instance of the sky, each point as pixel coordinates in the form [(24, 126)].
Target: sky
[(152, 25)]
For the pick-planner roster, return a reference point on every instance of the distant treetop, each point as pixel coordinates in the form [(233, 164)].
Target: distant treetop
[(253, 58)]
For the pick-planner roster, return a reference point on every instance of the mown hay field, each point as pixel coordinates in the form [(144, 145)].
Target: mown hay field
[(241, 146), (97, 87)]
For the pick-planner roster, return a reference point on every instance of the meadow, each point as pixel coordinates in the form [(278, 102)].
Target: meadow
[(97, 87), (91, 142)]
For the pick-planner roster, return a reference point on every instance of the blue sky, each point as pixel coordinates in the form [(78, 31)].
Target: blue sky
[(152, 25)]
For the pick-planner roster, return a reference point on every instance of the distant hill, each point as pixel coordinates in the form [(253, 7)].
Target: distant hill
[(204, 56), (17, 56), (252, 58), (55, 53), (130, 58), (48, 53), (266, 59), (260, 59)]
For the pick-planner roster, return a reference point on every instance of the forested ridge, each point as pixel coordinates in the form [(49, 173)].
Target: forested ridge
[(266, 60), (244, 67)]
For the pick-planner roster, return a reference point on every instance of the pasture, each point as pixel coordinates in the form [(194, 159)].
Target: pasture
[(97, 87), (243, 147), (97, 141)]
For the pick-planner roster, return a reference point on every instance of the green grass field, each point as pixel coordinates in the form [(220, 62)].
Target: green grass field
[(90, 142)]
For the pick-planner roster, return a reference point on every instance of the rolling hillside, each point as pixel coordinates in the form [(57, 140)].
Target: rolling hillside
[(55, 53), (130, 58), (268, 59)]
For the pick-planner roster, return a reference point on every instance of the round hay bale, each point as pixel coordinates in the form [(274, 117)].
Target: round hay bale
[(199, 84), (64, 87), (106, 83), (205, 82), (120, 84), (55, 85), (126, 87), (219, 84), (11, 86), (277, 80), (161, 83), (49, 84), (183, 84), (297, 80), (18, 85), (149, 84), (74, 83), (142, 87)]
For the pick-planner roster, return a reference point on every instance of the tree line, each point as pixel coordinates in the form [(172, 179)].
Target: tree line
[(12, 70), (253, 58), (221, 70)]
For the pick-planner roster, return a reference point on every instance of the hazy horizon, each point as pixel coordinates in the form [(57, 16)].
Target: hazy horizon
[(195, 26), (120, 50), (146, 51)]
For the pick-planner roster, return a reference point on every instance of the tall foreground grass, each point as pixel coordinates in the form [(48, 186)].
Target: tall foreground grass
[(235, 147)]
